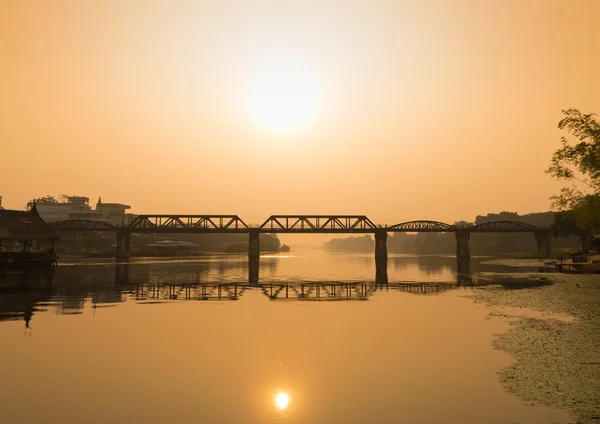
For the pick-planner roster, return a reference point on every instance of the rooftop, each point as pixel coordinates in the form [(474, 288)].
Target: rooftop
[(24, 226), (113, 204)]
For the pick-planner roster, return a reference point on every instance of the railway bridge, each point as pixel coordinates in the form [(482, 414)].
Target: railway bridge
[(302, 224)]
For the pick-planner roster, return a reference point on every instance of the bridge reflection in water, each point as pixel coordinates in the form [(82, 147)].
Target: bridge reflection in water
[(152, 291), (70, 290), (301, 291)]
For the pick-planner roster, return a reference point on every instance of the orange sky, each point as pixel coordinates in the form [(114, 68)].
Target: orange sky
[(430, 110)]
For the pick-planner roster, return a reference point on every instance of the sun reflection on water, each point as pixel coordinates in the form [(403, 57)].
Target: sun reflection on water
[(282, 400)]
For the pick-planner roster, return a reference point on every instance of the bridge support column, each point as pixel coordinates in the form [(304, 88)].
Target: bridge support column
[(254, 244), (381, 256), (253, 274), (122, 274), (542, 240), (123, 245), (463, 253)]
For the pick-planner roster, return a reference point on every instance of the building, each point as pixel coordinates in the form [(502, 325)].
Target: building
[(24, 230), (78, 207), (26, 242), (75, 206), (115, 213)]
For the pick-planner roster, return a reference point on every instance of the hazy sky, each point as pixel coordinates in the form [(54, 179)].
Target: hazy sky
[(422, 109)]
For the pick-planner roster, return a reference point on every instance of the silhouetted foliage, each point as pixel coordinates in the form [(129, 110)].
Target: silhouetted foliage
[(239, 247), (565, 225), (101, 244), (44, 199), (63, 198), (351, 244), (580, 164)]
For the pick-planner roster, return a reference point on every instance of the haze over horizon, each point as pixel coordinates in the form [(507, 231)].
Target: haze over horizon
[(437, 110)]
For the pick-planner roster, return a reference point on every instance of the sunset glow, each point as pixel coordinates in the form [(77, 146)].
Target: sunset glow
[(392, 100), (316, 211), (284, 98)]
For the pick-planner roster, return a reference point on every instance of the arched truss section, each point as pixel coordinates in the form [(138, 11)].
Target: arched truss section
[(422, 227), (80, 225), (318, 224), (505, 227), (188, 223)]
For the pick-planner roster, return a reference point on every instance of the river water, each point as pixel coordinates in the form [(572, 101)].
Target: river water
[(312, 339)]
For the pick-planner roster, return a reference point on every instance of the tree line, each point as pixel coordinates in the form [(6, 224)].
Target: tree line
[(481, 243)]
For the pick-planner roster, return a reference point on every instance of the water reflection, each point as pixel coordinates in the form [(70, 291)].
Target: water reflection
[(67, 289), (23, 295), (282, 400), (305, 340)]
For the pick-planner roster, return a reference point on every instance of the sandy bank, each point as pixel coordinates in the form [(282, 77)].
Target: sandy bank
[(558, 360)]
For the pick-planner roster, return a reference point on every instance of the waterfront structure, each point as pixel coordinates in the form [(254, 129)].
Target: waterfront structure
[(26, 241), (78, 207), (172, 248)]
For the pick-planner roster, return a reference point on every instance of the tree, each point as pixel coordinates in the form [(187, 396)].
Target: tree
[(579, 163), (44, 199), (462, 224), (565, 225)]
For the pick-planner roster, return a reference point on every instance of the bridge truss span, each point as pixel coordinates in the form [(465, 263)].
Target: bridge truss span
[(422, 227), (82, 225), (318, 224), (505, 227), (188, 224)]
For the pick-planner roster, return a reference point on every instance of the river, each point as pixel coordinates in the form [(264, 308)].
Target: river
[(313, 339)]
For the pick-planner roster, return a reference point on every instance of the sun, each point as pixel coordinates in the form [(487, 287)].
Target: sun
[(284, 98)]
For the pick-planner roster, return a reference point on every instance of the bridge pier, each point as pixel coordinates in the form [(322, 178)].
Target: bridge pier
[(542, 240), (122, 274), (381, 257), (463, 252), (123, 245), (253, 274), (254, 244)]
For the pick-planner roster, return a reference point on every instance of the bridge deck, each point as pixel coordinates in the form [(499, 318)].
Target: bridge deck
[(291, 224)]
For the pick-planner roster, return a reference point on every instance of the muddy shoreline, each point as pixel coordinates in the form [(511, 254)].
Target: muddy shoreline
[(557, 356)]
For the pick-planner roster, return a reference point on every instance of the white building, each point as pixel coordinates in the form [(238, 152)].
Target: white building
[(78, 207), (115, 213), (60, 211)]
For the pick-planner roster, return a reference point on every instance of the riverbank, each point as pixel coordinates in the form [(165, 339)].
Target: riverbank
[(513, 261), (557, 356)]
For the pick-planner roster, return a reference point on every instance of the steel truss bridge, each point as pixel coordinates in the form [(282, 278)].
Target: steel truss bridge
[(303, 224), (309, 224)]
